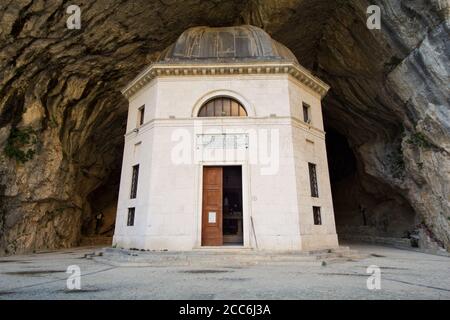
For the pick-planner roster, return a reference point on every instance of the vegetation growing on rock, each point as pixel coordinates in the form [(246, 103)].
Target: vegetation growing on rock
[(21, 144)]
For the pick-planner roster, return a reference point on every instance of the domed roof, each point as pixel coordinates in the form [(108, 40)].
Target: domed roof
[(228, 44)]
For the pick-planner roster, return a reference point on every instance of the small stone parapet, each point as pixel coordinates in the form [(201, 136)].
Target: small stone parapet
[(391, 241), (225, 257), (95, 241), (425, 244)]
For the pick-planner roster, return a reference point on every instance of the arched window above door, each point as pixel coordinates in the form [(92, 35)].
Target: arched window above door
[(222, 107)]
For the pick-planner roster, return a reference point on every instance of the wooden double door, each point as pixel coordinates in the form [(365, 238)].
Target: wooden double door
[(222, 218)]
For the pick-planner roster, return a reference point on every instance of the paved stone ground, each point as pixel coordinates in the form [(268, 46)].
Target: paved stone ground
[(405, 275)]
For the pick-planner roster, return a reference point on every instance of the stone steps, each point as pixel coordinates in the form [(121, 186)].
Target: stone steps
[(227, 257)]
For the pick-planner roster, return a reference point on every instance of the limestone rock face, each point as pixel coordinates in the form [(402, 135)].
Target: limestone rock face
[(62, 117)]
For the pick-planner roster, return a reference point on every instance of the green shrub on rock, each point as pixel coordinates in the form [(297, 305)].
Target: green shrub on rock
[(20, 144)]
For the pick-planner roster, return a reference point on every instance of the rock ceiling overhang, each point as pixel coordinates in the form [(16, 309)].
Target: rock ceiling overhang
[(260, 68)]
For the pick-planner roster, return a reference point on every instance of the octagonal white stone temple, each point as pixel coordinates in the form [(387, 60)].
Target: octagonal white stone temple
[(225, 147)]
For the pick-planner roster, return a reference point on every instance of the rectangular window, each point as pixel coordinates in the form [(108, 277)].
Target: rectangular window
[(317, 216), (141, 113), (313, 180), (306, 110), (130, 218), (134, 182)]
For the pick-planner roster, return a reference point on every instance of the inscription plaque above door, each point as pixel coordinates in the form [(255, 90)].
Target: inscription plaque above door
[(222, 141)]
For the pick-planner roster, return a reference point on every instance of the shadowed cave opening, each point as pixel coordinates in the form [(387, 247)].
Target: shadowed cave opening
[(103, 208), (365, 209)]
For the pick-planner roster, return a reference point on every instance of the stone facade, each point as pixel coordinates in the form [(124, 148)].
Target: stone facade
[(277, 201)]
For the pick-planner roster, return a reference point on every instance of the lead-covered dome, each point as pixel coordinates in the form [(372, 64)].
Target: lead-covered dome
[(228, 44)]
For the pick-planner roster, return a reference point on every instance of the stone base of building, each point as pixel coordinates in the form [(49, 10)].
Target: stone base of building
[(233, 257), (266, 243)]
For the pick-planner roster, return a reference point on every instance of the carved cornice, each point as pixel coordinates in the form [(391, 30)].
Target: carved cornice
[(161, 70)]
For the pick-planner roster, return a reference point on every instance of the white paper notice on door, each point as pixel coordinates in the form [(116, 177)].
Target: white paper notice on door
[(212, 217)]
